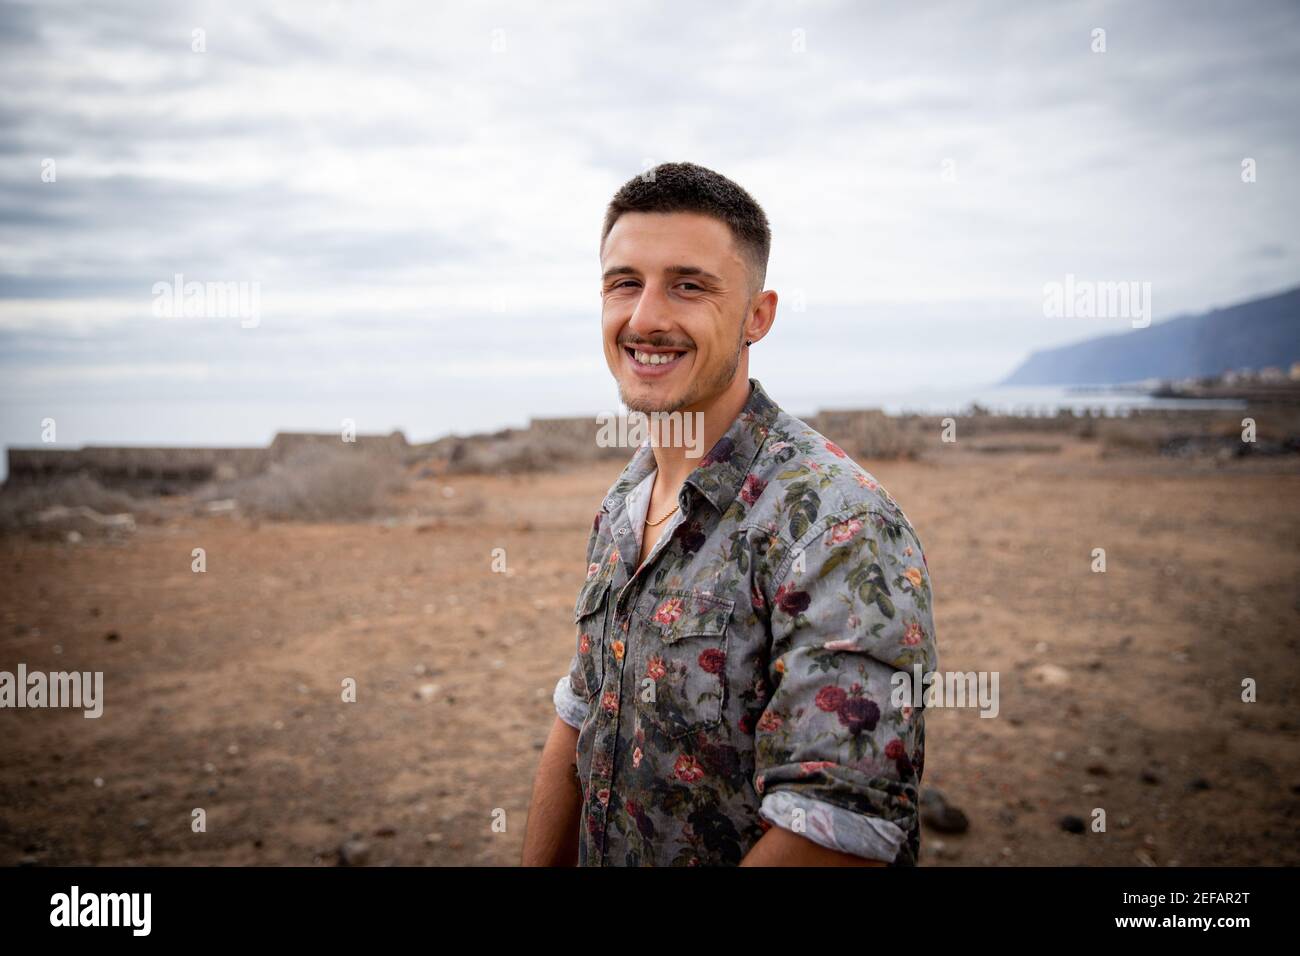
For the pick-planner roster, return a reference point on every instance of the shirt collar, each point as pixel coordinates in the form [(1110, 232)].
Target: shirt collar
[(721, 472)]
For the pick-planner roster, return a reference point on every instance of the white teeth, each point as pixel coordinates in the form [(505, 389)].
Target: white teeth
[(654, 358)]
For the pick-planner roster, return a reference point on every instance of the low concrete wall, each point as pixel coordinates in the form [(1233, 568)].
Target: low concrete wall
[(161, 469), (158, 470)]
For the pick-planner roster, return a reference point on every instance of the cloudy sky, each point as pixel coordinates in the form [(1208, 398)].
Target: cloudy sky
[(416, 190)]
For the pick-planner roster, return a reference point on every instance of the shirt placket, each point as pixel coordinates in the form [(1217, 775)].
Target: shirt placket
[(604, 743), (625, 583)]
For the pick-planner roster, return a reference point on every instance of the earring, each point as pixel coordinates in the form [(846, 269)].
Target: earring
[(748, 342)]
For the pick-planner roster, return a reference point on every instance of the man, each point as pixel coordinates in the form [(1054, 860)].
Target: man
[(744, 612)]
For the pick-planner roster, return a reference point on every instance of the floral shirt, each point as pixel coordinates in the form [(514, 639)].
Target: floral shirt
[(741, 678)]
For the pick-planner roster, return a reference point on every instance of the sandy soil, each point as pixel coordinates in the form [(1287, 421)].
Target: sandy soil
[(223, 689)]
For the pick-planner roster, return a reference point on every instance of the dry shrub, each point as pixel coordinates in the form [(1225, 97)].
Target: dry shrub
[(878, 437), (1135, 439), (886, 437), (319, 483), (19, 504)]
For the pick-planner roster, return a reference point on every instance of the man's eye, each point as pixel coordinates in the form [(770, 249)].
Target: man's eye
[(693, 287)]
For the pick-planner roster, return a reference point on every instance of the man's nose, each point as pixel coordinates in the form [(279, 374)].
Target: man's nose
[(652, 312)]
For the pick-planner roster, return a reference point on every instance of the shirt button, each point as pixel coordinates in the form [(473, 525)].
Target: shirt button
[(621, 531)]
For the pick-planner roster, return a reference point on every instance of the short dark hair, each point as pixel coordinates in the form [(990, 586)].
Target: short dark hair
[(686, 187)]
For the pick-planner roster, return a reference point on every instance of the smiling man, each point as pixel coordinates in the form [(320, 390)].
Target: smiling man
[(743, 614)]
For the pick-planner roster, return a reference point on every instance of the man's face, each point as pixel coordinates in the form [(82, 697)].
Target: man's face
[(676, 296)]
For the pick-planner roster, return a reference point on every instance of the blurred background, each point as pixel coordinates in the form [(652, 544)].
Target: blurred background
[(418, 188), (403, 203)]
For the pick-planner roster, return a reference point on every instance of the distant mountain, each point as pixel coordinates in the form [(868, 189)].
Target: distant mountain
[(1253, 335)]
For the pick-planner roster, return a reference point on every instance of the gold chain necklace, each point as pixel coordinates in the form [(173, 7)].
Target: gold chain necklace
[(653, 524)]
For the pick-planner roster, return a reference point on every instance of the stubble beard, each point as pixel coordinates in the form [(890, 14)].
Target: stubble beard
[(698, 391)]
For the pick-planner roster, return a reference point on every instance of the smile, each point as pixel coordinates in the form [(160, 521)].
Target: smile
[(652, 362), (654, 358)]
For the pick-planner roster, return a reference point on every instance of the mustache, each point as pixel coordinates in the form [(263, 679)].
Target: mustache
[(655, 344)]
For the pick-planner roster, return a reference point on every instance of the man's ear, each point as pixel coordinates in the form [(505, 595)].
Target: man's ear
[(761, 316)]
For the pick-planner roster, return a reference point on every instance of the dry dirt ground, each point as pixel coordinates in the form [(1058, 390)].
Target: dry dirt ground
[(1119, 690)]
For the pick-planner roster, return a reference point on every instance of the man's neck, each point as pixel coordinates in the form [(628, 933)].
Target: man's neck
[(673, 460)]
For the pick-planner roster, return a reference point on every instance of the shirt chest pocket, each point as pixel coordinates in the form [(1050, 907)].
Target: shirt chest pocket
[(589, 614), (681, 660)]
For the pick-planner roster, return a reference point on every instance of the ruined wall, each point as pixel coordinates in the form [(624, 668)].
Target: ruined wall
[(156, 470), (142, 470), (393, 445)]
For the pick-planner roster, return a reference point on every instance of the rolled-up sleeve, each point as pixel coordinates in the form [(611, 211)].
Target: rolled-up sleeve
[(839, 754), (571, 708)]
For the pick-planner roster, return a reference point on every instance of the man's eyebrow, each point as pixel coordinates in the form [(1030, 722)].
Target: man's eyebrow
[(678, 270)]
